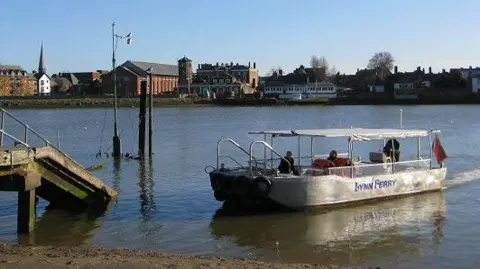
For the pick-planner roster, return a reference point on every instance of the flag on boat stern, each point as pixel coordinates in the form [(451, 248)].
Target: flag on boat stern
[(438, 150)]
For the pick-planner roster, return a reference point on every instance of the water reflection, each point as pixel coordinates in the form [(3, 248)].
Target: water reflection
[(147, 188), (117, 171), (63, 228), (345, 236)]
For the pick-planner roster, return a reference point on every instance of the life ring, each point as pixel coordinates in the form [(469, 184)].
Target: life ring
[(219, 195), (213, 169), (262, 186), (242, 185), (321, 163)]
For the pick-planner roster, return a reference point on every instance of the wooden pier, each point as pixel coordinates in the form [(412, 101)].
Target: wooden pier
[(47, 173)]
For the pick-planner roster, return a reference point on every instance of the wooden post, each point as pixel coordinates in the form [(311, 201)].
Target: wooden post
[(143, 112), (26, 211), (150, 116)]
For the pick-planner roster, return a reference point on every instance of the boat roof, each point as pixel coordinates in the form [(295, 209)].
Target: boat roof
[(353, 133)]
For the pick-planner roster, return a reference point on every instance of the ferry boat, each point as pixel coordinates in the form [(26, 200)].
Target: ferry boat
[(318, 181)]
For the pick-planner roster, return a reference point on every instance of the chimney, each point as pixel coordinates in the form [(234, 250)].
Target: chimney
[(430, 70), (231, 63), (423, 70), (280, 72), (358, 70), (217, 63), (418, 68), (199, 66), (443, 70), (254, 65), (395, 69)]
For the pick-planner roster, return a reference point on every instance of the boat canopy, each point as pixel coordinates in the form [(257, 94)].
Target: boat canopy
[(353, 133)]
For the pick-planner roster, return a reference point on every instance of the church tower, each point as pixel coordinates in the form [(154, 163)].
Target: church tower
[(41, 63)]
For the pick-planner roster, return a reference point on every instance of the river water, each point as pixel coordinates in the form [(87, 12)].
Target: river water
[(167, 205)]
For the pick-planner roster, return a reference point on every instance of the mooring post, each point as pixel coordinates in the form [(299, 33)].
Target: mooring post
[(3, 127), (150, 115), (143, 112), (26, 211)]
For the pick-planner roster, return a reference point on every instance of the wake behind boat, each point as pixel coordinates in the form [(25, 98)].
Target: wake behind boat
[(320, 181)]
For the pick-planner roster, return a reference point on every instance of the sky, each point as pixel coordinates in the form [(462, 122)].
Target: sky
[(77, 35)]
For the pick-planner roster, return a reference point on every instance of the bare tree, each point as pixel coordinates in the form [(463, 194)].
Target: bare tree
[(322, 68), (273, 70), (383, 62)]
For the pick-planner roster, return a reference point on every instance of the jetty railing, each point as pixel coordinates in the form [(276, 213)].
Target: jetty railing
[(27, 132), (370, 169)]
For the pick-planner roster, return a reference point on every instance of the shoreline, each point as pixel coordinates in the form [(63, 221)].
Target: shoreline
[(106, 102), (18, 256)]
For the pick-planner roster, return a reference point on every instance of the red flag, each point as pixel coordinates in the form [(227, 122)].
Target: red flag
[(438, 150)]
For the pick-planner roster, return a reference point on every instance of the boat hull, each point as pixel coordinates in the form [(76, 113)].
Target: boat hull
[(320, 191), (310, 192)]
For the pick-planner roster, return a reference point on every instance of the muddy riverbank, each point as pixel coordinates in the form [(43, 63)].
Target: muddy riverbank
[(16, 256)]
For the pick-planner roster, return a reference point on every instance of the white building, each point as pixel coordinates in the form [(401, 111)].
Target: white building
[(476, 84), (304, 91), (44, 88)]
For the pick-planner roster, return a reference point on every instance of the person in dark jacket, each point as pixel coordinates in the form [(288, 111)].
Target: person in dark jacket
[(284, 166)]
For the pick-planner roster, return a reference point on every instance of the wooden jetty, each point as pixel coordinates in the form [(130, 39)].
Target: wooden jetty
[(48, 173)]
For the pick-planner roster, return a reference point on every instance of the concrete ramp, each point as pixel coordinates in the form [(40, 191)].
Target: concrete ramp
[(53, 176), (56, 177)]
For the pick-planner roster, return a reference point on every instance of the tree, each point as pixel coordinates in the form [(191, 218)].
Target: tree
[(383, 62), (322, 68), (273, 70)]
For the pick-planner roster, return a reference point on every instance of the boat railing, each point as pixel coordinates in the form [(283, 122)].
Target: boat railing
[(309, 159), (237, 145), (361, 169), (266, 146)]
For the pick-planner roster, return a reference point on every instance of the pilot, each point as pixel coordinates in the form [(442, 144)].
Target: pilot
[(284, 166)]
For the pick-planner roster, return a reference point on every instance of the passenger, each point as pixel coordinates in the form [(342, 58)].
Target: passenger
[(338, 161), (284, 166), (333, 156)]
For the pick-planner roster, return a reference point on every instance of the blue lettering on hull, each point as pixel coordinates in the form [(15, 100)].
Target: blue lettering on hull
[(377, 184)]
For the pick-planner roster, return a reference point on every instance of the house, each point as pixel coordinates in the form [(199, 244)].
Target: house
[(467, 72), (131, 73), (224, 80), (79, 83), (247, 74), (476, 84)]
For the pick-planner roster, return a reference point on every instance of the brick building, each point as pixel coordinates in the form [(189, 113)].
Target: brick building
[(131, 73), (14, 80)]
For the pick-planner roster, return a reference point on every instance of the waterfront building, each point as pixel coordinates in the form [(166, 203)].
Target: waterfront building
[(302, 83), (131, 73), (224, 80)]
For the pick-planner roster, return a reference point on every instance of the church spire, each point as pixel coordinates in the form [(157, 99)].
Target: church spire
[(41, 63)]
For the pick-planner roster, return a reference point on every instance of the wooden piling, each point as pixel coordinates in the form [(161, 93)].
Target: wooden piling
[(142, 118), (150, 116), (26, 211)]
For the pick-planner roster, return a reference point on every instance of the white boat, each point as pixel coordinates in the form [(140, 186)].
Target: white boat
[(320, 182)]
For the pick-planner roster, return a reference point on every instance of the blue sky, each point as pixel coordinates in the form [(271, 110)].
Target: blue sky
[(272, 33)]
